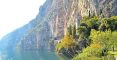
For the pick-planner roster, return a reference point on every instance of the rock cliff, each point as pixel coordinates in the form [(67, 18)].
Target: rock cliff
[(52, 21)]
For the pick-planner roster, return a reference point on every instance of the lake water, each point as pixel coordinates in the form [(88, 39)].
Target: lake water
[(30, 55)]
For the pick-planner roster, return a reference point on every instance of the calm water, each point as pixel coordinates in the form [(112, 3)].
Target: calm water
[(29, 55)]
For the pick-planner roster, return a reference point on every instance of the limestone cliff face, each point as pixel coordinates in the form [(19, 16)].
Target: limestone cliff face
[(62, 13), (68, 12), (55, 16)]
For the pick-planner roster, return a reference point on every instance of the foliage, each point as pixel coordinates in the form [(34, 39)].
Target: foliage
[(90, 53), (91, 22), (107, 39), (70, 30), (102, 32), (100, 40), (74, 31), (101, 24), (99, 33), (66, 42), (82, 30), (104, 24)]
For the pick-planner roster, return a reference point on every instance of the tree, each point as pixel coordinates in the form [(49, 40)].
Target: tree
[(67, 42), (74, 31), (99, 33), (113, 40), (107, 39), (70, 30), (90, 53)]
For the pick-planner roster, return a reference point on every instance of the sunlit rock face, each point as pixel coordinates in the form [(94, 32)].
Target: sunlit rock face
[(53, 20)]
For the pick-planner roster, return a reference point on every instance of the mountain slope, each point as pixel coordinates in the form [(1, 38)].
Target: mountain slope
[(63, 13), (53, 20)]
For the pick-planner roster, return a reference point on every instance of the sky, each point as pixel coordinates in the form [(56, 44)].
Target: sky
[(16, 13)]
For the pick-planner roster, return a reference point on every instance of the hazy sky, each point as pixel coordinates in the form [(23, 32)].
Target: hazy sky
[(16, 13)]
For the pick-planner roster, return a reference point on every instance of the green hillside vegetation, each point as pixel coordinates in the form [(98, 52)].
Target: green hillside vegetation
[(94, 39)]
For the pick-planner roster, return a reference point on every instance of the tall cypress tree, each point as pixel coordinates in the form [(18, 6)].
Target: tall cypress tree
[(74, 31), (70, 30)]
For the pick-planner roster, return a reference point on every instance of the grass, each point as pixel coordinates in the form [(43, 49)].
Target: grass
[(112, 53)]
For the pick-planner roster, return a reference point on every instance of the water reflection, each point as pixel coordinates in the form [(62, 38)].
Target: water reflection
[(29, 55)]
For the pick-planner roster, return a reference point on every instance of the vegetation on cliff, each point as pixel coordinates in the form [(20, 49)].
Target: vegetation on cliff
[(94, 39)]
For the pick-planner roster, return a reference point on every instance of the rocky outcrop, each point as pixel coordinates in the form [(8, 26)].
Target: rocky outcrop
[(54, 18), (62, 13)]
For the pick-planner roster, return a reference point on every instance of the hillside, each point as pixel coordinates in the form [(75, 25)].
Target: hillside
[(52, 23)]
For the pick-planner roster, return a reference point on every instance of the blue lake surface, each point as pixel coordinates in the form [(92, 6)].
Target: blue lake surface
[(30, 55)]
